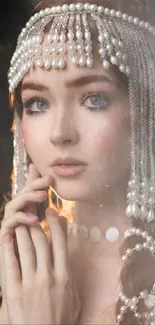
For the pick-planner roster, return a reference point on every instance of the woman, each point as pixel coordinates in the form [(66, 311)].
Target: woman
[(85, 114)]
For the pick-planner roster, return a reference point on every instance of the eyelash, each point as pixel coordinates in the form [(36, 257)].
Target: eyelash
[(27, 105)]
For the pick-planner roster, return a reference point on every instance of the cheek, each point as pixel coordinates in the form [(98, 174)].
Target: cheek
[(32, 137), (113, 133)]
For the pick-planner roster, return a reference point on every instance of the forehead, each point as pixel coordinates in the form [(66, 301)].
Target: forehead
[(71, 72)]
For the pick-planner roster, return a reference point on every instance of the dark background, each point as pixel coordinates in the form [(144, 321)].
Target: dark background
[(13, 16)]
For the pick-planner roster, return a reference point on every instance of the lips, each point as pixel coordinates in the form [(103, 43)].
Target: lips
[(68, 167), (67, 162)]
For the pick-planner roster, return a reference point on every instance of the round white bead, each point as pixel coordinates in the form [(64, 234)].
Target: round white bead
[(136, 21), (58, 9), (39, 63), (106, 35), (112, 234), (118, 14), (75, 60), (128, 70), (122, 68), (53, 10), (70, 35), (119, 317), (144, 234), (130, 19), (65, 8), (61, 64), (138, 247), (87, 36), (114, 41), (114, 60), (83, 231), (107, 11), (88, 48), (143, 294), (55, 38), (89, 62), (41, 13), (123, 309), (149, 301), (143, 212), (135, 300), (95, 234), (100, 9), (54, 63), (93, 7), (112, 12), (150, 216), (79, 6), (102, 51), (149, 239), (106, 64), (133, 307), (125, 17), (127, 301), (79, 34), (127, 234), (119, 54), (142, 23), (138, 315), (109, 47), (72, 7), (82, 61), (147, 25), (47, 64), (101, 38), (28, 25), (129, 251), (86, 6)]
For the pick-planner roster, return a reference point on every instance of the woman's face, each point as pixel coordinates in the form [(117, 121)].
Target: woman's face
[(79, 113)]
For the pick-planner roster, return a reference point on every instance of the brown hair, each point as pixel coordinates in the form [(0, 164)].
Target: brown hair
[(138, 273)]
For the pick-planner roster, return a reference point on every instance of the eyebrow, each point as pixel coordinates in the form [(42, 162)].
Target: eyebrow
[(78, 82)]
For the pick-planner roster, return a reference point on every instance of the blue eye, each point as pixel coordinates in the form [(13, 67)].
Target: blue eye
[(35, 106), (95, 101)]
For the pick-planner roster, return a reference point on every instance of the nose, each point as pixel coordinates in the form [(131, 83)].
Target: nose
[(64, 130)]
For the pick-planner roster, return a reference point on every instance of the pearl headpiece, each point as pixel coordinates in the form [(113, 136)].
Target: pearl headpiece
[(123, 41), (50, 51)]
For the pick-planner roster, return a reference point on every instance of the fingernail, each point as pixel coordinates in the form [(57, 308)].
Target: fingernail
[(51, 212), (7, 239), (33, 217)]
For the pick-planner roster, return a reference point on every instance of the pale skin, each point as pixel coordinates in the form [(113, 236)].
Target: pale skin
[(101, 138)]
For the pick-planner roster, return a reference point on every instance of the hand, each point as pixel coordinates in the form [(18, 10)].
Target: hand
[(39, 290), (22, 209)]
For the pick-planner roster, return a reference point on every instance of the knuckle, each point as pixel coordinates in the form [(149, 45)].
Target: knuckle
[(45, 280), (7, 208), (63, 279)]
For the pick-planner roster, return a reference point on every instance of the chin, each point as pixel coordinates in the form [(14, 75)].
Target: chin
[(72, 192)]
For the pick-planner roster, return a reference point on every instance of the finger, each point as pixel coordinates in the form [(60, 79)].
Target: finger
[(26, 253), (39, 184), (42, 250), (59, 244), (12, 270), (9, 224), (20, 202), (32, 174)]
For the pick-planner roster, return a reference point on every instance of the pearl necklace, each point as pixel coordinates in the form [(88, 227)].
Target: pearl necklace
[(112, 234)]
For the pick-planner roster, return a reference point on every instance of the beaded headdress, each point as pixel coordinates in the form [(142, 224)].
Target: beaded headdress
[(128, 43)]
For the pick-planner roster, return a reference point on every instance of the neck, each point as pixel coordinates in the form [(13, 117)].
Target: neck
[(104, 212)]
